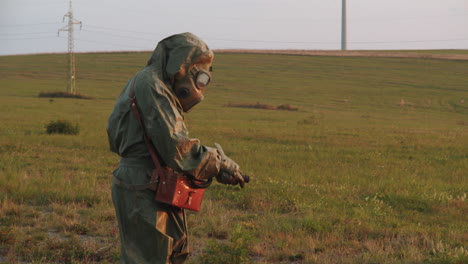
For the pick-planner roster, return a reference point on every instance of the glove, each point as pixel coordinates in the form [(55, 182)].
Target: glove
[(229, 172)]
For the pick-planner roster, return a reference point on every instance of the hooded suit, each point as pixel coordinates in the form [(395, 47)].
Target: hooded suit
[(152, 232)]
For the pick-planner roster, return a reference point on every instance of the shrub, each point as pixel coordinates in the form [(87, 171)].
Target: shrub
[(62, 127)]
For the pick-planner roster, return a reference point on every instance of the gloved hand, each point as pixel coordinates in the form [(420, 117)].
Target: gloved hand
[(229, 172)]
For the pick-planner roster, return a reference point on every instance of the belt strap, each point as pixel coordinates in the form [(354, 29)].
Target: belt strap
[(133, 187)]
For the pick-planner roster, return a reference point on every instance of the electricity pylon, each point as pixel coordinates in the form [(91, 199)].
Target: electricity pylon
[(71, 55)]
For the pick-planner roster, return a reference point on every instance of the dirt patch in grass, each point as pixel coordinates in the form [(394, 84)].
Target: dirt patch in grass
[(352, 53), (285, 107), (63, 95)]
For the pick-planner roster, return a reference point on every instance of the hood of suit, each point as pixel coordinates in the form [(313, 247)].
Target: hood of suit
[(177, 61)]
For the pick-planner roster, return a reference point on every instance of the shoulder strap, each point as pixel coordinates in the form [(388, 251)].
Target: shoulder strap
[(135, 111), (152, 150)]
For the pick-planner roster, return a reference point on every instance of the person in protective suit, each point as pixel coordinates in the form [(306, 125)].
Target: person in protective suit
[(172, 82)]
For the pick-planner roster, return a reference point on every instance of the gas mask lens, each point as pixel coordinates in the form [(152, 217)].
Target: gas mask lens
[(202, 78)]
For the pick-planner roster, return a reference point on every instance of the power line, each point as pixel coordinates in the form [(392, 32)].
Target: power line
[(111, 44), (115, 35), (20, 34), (45, 37), (256, 19), (270, 41), (28, 25), (124, 30), (108, 31), (252, 41)]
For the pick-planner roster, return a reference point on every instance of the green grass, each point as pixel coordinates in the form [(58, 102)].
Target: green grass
[(371, 169)]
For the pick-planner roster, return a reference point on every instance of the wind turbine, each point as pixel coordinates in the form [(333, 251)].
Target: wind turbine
[(343, 25)]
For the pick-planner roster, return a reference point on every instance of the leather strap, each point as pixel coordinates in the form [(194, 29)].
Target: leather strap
[(135, 111), (150, 146), (152, 150)]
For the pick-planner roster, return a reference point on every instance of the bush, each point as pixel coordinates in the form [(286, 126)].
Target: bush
[(62, 127)]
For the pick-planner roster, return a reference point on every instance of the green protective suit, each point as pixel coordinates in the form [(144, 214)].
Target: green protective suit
[(151, 232)]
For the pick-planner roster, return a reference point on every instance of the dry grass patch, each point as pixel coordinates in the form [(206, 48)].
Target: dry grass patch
[(285, 107), (63, 95)]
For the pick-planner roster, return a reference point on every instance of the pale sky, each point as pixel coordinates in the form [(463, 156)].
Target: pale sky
[(30, 26)]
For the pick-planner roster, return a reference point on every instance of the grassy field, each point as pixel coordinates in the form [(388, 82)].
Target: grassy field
[(415, 54), (372, 168)]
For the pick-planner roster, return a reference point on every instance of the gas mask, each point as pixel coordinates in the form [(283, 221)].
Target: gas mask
[(189, 88)]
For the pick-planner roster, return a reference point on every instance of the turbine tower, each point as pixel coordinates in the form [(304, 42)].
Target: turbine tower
[(343, 25), (71, 55)]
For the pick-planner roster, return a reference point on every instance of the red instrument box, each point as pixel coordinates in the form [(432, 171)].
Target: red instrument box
[(176, 189)]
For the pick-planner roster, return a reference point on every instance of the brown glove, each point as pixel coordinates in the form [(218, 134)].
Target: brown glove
[(229, 172)]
